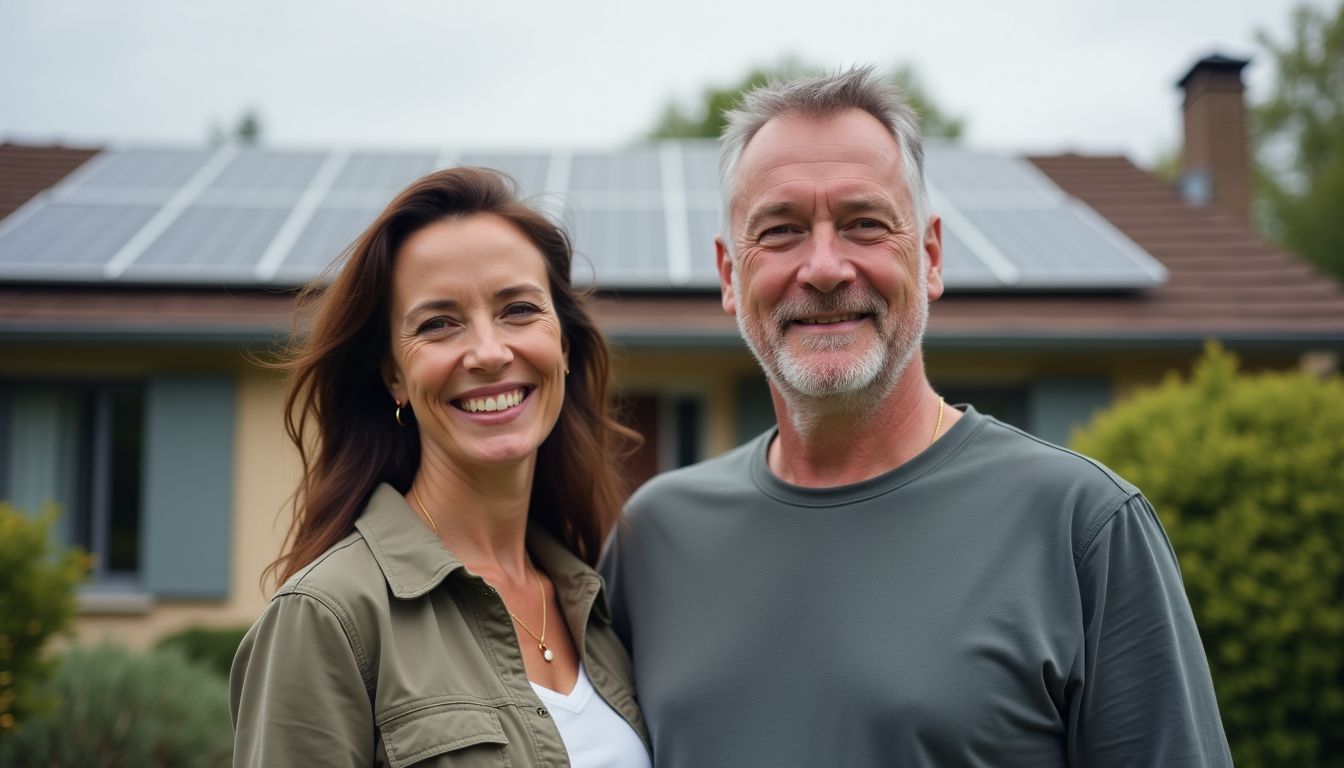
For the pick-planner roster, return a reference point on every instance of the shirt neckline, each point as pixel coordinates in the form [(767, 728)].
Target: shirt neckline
[(931, 458), (575, 701)]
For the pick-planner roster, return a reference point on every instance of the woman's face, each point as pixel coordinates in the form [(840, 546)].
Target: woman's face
[(476, 345)]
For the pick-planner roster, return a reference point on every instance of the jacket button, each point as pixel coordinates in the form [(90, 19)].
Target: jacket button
[(542, 711)]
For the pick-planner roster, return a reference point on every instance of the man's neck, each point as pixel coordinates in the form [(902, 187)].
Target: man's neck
[(841, 441)]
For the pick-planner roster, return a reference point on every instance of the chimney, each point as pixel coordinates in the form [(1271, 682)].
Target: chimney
[(1215, 161)]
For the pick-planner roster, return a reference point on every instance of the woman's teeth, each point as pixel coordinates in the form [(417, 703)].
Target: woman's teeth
[(500, 402)]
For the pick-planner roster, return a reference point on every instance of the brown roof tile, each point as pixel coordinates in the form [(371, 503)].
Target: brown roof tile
[(27, 170)]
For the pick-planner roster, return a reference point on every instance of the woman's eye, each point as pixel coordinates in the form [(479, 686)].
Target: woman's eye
[(433, 324), (521, 309)]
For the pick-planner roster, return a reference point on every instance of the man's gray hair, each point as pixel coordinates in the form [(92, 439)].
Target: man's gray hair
[(820, 97)]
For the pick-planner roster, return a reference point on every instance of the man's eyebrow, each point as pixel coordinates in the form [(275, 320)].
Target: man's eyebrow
[(767, 212), (874, 204)]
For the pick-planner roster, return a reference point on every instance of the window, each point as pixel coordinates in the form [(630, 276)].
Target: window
[(672, 426), (79, 446)]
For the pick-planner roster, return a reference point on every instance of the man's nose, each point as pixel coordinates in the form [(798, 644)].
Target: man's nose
[(825, 266), (489, 350)]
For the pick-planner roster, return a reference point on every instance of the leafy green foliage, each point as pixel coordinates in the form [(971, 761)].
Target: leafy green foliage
[(705, 120), (119, 708), (37, 600), (1300, 136), (1247, 474), (209, 647)]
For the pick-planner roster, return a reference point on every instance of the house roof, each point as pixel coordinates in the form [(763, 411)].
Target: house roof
[(642, 217), (27, 170), (1222, 281)]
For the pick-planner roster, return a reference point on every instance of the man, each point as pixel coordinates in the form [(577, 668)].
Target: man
[(885, 579)]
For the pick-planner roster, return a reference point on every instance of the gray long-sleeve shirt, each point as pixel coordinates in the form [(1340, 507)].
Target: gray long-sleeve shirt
[(996, 601)]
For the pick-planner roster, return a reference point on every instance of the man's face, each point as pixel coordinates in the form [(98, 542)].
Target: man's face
[(831, 275)]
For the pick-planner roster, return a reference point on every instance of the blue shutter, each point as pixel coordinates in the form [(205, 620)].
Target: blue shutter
[(755, 409), (1058, 406), (186, 526)]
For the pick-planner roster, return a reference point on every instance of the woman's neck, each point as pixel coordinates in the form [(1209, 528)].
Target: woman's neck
[(479, 513)]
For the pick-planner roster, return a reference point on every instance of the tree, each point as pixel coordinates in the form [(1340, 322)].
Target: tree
[(706, 119), (246, 131), (1300, 139), (37, 601), (1244, 471)]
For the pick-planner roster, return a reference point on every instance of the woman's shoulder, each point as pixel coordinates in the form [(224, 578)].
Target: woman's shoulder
[(345, 574)]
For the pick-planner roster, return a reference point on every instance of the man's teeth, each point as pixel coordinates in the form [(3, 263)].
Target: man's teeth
[(498, 402), (827, 320)]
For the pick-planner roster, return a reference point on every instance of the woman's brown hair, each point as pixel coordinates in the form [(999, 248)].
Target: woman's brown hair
[(339, 413)]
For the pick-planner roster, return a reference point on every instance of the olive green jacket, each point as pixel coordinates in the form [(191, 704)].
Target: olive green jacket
[(387, 651)]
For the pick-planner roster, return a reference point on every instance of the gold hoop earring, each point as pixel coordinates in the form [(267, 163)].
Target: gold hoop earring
[(397, 415)]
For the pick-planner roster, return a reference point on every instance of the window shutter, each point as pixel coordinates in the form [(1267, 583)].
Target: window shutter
[(1059, 405), (186, 525)]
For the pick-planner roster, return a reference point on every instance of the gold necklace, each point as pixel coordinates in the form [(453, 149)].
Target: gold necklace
[(541, 639), (546, 653), (416, 494), (939, 425)]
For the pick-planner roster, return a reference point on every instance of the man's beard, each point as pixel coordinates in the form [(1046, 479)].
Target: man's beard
[(867, 375)]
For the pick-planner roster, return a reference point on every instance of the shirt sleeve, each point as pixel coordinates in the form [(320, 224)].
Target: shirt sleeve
[(1146, 697), (296, 693), (609, 569)]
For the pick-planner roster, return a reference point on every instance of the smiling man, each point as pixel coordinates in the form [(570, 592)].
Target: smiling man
[(885, 579)]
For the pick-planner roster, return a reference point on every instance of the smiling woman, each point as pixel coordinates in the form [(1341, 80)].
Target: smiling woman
[(450, 408)]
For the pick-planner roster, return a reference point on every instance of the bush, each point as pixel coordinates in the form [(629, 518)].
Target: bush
[(212, 648), (119, 708), (1247, 474), (37, 600)]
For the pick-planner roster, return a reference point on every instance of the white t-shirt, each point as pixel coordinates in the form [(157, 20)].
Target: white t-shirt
[(594, 735)]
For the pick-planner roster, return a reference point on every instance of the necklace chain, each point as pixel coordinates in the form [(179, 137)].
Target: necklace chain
[(546, 653), (434, 527), (939, 426)]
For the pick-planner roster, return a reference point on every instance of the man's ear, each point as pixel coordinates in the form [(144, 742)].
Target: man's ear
[(392, 379), (933, 248), (725, 264)]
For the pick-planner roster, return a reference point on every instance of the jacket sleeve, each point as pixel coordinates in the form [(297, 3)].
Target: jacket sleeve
[(297, 695), (1146, 696)]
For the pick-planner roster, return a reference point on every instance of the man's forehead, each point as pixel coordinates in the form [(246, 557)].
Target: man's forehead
[(853, 137)]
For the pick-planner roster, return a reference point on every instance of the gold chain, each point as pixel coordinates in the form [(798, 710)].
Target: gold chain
[(546, 653), (937, 427), (425, 511), (541, 639)]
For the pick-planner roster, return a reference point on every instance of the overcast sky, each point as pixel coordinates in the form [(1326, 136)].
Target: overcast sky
[(1026, 75)]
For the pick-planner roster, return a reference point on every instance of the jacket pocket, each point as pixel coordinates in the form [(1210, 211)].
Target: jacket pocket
[(463, 734)]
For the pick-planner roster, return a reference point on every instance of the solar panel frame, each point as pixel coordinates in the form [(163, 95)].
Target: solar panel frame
[(645, 215)]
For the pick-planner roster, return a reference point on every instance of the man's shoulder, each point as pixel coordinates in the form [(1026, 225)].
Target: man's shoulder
[(1017, 452)]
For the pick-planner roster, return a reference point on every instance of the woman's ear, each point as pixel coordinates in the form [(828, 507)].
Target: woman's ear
[(392, 379)]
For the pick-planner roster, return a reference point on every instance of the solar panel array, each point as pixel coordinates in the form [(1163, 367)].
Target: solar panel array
[(642, 217)]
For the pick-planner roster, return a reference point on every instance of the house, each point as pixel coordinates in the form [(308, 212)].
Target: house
[(144, 289)]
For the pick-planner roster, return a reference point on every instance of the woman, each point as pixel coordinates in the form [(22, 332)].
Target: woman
[(439, 606)]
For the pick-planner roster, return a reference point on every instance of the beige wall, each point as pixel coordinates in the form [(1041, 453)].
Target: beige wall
[(266, 467)]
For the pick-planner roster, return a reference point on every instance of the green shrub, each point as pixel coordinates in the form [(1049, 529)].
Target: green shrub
[(119, 708), (1247, 474), (37, 600), (212, 648)]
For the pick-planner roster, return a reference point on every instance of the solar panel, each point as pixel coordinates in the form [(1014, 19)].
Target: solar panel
[(641, 217), (529, 169), (69, 240)]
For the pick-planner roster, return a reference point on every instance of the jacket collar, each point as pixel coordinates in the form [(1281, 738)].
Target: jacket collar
[(414, 561)]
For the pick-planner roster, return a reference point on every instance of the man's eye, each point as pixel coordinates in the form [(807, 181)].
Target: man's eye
[(867, 228), (777, 233)]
